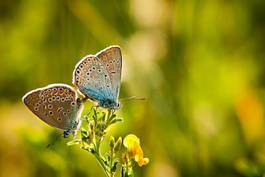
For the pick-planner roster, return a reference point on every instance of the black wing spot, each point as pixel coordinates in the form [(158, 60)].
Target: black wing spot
[(73, 103), (81, 66), (59, 119), (36, 108), (50, 100), (93, 68), (51, 113), (50, 106), (62, 99), (99, 70), (64, 113), (87, 73)]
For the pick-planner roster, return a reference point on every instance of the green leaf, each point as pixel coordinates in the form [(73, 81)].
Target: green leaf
[(114, 167), (73, 142), (116, 120), (127, 172)]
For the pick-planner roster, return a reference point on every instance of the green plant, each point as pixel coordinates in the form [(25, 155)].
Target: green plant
[(121, 152)]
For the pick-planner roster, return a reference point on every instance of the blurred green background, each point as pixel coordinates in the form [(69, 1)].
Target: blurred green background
[(200, 64)]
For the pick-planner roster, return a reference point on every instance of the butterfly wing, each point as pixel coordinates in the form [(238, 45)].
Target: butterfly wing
[(111, 59), (55, 104), (92, 79)]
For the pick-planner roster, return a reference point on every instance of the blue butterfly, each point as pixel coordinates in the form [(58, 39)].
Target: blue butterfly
[(98, 77)]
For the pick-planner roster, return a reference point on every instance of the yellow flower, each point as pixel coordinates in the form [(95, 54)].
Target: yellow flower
[(132, 143)]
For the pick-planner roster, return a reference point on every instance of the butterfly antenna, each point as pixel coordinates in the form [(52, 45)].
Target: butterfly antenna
[(133, 98)]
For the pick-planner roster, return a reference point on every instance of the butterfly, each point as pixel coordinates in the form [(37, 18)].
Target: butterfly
[(57, 105), (98, 77)]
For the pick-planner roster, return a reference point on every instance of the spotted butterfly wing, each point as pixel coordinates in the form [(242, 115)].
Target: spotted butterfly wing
[(112, 60), (56, 104), (98, 76)]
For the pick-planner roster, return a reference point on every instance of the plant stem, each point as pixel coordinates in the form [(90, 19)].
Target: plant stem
[(99, 159), (97, 155)]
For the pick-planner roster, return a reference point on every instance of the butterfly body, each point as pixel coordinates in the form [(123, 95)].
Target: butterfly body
[(57, 105), (98, 77)]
